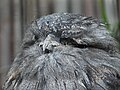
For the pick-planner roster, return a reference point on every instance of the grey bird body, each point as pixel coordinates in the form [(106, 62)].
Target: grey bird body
[(78, 56)]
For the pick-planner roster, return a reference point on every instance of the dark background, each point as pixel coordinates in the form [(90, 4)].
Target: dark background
[(16, 15)]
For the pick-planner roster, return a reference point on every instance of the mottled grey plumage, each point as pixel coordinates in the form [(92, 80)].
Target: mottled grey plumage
[(66, 51), (81, 29)]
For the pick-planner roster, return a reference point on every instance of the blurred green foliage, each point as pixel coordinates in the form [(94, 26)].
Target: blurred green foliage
[(103, 13), (115, 31)]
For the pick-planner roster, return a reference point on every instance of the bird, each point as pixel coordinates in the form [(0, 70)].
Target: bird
[(66, 51), (81, 29)]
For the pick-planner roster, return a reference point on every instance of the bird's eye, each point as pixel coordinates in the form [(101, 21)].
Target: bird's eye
[(47, 22), (36, 37)]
